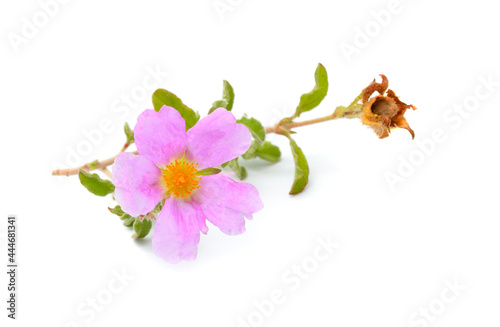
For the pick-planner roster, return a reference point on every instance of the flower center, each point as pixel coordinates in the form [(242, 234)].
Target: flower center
[(181, 178)]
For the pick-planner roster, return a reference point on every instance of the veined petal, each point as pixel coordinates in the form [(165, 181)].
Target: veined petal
[(216, 139), (161, 136), (137, 184), (177, 230), (226, 202)]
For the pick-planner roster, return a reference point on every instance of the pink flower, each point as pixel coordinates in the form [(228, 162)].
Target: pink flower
[(167, 168)]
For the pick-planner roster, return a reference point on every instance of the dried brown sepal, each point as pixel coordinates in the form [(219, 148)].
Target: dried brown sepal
[(384, 111), (374, 86)]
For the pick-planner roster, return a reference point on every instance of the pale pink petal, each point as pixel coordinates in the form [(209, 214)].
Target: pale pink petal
[(137, 184), (177, 230), (216, 139), (161, 136), (226, 202)]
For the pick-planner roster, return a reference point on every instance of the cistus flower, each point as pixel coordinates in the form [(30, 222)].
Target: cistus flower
[(168, 169), (385, 111)]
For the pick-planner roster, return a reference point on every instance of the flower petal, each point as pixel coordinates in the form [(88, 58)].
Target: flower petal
[(137, 184), (160, 136), (177, 230), (216, 139), (226, 202)]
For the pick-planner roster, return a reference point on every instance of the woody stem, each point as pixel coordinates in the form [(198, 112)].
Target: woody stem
[(289, 126), (101, 165)]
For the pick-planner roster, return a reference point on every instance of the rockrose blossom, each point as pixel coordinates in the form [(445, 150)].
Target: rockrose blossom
[(167, 168)]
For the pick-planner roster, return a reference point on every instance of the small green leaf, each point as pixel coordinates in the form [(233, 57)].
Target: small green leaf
[(258, 131), (227, 100), (129, 132), (95, 184), (117, 210), (162, 97), (269, 152), (93, 165), (301, 165), (209, 171), (240, 171), (218, 104), (311, 100), (141, 227), (252, 151), (128, 220), (228, 94)]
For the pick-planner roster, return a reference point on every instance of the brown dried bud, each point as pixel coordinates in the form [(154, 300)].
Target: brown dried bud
[(385, 111)]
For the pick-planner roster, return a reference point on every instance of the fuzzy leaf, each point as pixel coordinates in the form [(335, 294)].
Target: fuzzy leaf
[(162, 97), (93, 165), (258, 131), (128, 220), (209, 171), (228, 94), (129, 132), (269, 152), (227, 100), (95, 184), (240, 171), (252, 151), (301, 168), (218, 104), (141, 227), (311, 100), (117, 210)]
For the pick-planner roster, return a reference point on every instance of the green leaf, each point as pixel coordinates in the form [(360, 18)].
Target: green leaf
[(129, 132), (95, 184), (117, 210), (141, 227), (269, 152), (301, 166), (93, 165), (209, 171), (228, 94), (311, 100), (252, 151), (162, 97), (227, 100), (258, 131), (128, 220), (241, 172), (218, 104)]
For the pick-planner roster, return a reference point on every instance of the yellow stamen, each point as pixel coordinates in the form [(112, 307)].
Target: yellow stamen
[(181, 178)]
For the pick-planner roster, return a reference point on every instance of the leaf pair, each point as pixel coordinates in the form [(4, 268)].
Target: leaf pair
[(259, 147), (308, 101), (141, 226), (227, 100)]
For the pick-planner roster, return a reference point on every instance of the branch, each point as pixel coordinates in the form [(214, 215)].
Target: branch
[(88, 166), (101, 165)]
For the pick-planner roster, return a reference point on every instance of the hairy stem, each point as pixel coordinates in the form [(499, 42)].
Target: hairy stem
[(88, 166), (277, 128), (101, 165)]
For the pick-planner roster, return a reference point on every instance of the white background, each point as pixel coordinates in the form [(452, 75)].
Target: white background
[(397, 247)]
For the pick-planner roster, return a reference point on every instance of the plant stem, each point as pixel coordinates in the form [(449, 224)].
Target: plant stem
[(95, 165), (101, 165), (289, 126)]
